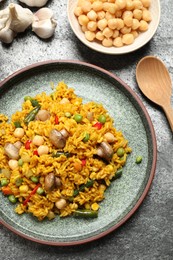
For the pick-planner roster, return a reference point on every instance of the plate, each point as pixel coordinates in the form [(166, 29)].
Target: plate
[(126, 194), (140, 41)]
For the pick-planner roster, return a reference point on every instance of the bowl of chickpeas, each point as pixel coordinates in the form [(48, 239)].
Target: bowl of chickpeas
[(114, 26)]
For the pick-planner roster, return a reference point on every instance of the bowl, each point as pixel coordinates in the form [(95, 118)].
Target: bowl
[(140, 41)]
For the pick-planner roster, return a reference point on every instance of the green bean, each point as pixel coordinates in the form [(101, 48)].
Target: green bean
[(4, 182), (58, 154), (31, 115), (85, 213), (138, 159), (120, 151), (118, 174), (78, 118), (102, 119), (12, 199), (83, 186)]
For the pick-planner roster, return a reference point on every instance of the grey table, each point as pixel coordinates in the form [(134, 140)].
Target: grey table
[(148, 234)]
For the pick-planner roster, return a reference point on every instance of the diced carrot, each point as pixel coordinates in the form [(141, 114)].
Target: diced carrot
[(6, 190), (78, 166)]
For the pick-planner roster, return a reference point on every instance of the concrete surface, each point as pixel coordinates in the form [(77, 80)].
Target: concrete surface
[(148, 235)]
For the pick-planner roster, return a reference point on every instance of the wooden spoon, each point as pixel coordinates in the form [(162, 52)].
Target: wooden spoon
[(154, 81)]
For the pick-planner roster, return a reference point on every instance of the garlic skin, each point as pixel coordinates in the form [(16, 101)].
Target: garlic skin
[(21, 18), (34, 3), (44, 25)]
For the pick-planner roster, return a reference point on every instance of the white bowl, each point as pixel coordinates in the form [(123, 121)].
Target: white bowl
[(140, 41)]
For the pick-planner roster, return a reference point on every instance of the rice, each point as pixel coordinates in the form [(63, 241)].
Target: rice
[(83, 174)]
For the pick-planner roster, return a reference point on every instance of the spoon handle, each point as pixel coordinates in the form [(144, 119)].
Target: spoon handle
[(169, 114)]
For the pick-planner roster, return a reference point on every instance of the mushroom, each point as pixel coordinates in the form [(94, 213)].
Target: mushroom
[(57, 182), (11, 151), (105, 151), (49, 181), (58, 138)]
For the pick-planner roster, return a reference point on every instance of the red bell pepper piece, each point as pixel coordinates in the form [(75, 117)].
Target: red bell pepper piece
[(31, 194), (28, 144), (83, 162), (98, 125), (56, 120), (35, 152)]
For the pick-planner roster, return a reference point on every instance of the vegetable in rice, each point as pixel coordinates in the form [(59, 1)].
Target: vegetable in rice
[(59, 155)]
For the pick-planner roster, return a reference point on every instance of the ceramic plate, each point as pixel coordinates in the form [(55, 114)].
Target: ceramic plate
[(125, 195), (140, 41)]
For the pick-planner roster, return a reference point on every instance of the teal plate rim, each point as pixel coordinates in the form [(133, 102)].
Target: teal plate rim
[(144, 120)]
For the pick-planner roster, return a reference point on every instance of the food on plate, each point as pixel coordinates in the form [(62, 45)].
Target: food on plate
[(58, 155), (113, 22)]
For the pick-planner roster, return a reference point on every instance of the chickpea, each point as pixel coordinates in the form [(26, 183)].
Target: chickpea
[(143, 26), (121, 4), (19, 132), (43, 149), (125, 30), (109, 7), (135, 24), (90, 36), (129, 5), (127, 14), (86, 6), (102, 24), (146, 3), (107, 32), (101, 15), (99, 36), (92, 15), (137, 14), (78, 11), (115, 34), (146, 16), (117, 42), (137, 4), (38, 140), (135, 34), (110, 138), (109, 16), (120, 23), (84, 28), (97, 6), (107, 42), (92, 26), (83, 19), (112, 23), (118, 14), (64, 101), (13, 164), (128, 38), (61, 203), (128, 21)]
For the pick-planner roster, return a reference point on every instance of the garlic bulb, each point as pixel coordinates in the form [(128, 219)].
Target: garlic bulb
[(21, 17), (44, 25), (34, 3)]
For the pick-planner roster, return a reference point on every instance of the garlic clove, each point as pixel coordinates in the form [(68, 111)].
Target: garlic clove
[(45, 28), (21, 18), (43, 13), (7, 35), (36, 3)]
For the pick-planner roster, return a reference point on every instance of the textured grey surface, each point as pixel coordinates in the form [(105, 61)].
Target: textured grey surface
[(149, 233)]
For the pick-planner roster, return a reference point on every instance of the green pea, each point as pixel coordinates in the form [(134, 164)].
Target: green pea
[(17, 124), (78, 118), (27, 98), (34, 179), (120, 151), (18, 181), (86, 138), (4, 182), (68, 114), (40, 191), (12, 199), (102, 119), (20, 162), (138, 159), (34, 102)]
